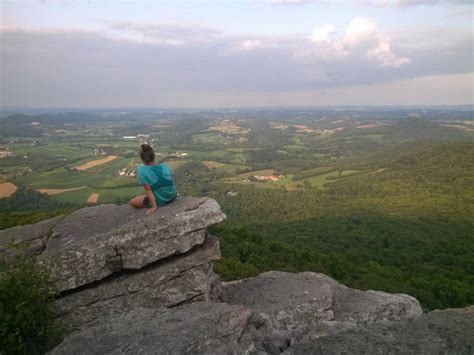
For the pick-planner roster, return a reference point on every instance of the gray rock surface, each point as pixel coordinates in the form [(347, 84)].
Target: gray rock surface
[(449, 331), (219, 328), (279, 313), (30, 239), (178, 280), (95, 242), (309, 305), (198, 328), (110, 259)]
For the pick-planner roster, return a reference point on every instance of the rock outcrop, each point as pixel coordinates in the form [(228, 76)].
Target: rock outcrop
[(449, 331), (306, 306), (282, 313), (109, 259), (197, 328), (130, 283)]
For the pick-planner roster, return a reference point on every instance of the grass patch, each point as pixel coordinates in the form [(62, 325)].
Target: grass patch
[(120, 194), (76, 197), (62, 178), (321, 180), (210, 138), (220, 167), (294, 147), (349, 172), (313, 172), (175, 164), (112, 167)]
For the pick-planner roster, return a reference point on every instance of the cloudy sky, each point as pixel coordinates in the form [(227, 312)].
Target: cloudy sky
[(100, 53)]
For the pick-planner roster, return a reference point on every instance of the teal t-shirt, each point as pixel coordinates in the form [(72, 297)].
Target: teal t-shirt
[(160, 179)]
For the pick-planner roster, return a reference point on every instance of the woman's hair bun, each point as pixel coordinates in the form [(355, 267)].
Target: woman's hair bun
[(146, 148), (147, 153)]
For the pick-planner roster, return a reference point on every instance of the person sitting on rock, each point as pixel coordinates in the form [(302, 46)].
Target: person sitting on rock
[(157, 179)]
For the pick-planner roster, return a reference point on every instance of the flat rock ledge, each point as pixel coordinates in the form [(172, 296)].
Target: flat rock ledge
[(109, 259)]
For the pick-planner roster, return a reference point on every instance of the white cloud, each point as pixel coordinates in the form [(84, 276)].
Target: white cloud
[(361, 32), (291, 2), (362, 39), (248, 45), (176, 33), (77, 67), (385, 57), (322, 34), (432, 2), (405, 3)]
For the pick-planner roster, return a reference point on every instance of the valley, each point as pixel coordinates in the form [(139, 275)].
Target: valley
[(378, 198)]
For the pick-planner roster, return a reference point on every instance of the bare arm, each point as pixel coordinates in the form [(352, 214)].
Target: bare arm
[(151, 198)]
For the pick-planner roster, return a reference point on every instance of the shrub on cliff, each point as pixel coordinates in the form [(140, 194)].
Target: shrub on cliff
[(27, 317)]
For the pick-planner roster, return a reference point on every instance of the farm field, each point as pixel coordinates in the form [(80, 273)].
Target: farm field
[(62, 178), (210, 138), (93, 163), (93, 198), (122, 194), (75, 196), (7, 189), (320, 181), (112, 167), (52, 192), (221, 167), (175, 164)]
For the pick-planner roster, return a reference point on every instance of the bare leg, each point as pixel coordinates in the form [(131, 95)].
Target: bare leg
[(137, 201)]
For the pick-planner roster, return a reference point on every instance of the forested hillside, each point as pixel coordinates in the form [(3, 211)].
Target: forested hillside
[(408, 228), (378, 199)]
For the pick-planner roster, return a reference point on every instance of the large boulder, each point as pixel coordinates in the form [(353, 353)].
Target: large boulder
[(198, 328), (309, 305), (449, 331)]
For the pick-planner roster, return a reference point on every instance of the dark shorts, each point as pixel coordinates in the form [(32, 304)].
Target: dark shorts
[(146, 201)]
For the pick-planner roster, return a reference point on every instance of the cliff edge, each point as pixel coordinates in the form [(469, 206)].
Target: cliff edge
[(130, 283)]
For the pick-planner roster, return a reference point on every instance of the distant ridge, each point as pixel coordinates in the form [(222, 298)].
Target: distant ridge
[(418, 128), (20, 126)]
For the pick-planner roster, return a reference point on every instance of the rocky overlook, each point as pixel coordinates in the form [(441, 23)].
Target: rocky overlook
[(130, 283)]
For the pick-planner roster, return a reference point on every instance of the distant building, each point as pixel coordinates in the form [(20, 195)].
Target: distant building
[(266, 177), (96, 151), (4, 153), (127, 172), (179, 155)]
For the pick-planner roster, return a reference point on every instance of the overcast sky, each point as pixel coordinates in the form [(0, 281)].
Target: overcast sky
[(99, 53)]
